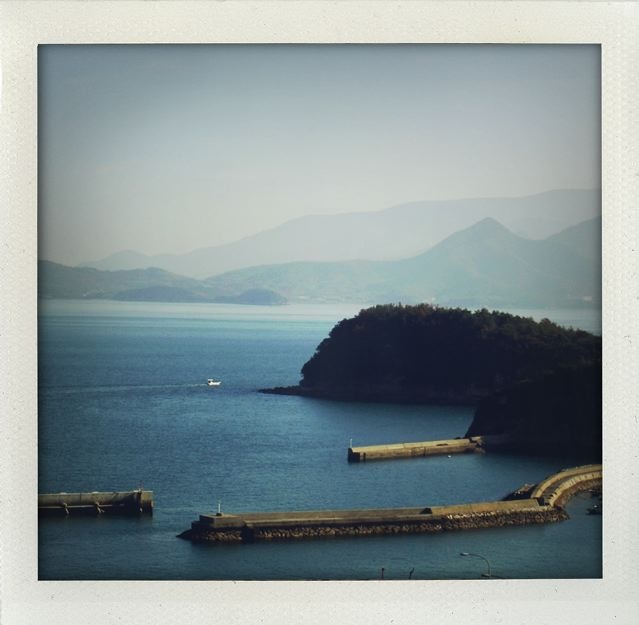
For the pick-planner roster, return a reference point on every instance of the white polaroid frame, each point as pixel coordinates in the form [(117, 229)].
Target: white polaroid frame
[(25, 25)]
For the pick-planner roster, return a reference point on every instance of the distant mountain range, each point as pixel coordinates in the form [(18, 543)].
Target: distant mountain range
[(483, 265), (57, 281), (397, 232)]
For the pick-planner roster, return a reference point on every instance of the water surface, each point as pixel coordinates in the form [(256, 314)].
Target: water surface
[(123, 403)]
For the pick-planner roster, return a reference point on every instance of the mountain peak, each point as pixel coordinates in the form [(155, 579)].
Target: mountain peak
[(481, 230), (488, 224)]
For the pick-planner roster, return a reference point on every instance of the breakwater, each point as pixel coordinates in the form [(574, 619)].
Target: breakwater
[(556, 489), (414, 450), (96, 503), (246, 528)]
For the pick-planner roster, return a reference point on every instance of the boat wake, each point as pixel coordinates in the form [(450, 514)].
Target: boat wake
[(106, 388)]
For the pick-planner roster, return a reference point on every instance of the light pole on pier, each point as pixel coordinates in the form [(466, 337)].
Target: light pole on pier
[(476, 555)]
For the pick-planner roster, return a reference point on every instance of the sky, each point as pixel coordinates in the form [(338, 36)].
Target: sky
[(176, 147)]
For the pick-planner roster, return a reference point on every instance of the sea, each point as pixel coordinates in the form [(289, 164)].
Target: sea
[(124, 404)]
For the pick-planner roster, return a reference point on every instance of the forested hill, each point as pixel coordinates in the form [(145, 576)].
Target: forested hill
[(428, 354), (556, 413), (537, 384)]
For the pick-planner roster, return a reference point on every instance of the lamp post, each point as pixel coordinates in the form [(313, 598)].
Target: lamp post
[(476, 555)]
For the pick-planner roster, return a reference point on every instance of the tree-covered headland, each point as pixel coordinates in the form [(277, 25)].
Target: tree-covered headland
[(536, 381)]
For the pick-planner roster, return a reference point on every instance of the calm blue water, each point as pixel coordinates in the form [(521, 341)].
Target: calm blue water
[(124, 402)]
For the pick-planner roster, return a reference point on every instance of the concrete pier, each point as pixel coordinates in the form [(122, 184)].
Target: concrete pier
[(413, 450), (246, 528), (96, 503), (249, 527)]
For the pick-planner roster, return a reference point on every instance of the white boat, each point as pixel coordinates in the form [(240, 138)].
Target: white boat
[(212, 382)]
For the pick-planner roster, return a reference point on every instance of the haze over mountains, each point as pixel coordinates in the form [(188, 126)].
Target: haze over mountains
[(483, 265), (398, 232)]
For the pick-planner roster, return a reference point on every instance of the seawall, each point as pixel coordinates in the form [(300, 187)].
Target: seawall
[(249, 527)]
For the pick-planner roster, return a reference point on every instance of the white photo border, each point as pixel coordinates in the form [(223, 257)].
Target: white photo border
[(25, 25)]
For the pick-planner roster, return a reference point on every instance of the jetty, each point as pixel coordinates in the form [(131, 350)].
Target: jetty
[(558, 488), (538, 504), (474, 444), (96, 503)]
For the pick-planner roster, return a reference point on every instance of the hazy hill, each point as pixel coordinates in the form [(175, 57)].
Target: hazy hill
[(60, 281), (139, 285), (483, 265), (397, 232), (126, 259), (583, 239), (487, 260)]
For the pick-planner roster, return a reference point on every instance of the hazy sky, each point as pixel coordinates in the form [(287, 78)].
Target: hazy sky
[(171, 148)]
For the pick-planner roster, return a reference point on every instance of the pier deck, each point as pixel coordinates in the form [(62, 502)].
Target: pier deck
[(413, 450)]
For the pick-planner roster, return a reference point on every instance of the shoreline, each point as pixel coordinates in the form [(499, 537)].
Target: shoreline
[(382, 397)]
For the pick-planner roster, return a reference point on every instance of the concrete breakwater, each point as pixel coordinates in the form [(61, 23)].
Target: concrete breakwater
[(413, 450), (246, 528), (558, 488), (96, 503)]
